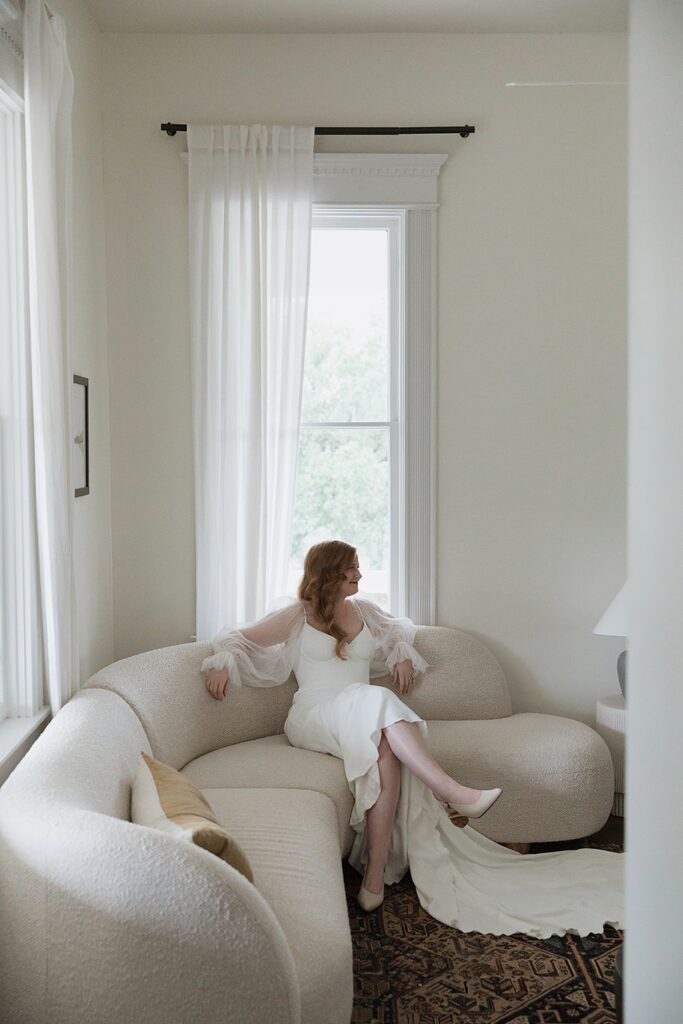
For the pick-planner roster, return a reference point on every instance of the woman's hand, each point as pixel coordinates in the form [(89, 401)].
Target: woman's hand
[(217, 683), (404, 674)]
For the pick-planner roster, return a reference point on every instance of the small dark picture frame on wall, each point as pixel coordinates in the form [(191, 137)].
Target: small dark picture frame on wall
[(80, 455)]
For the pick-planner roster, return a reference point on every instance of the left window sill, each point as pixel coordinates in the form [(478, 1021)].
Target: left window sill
[(16, 737)]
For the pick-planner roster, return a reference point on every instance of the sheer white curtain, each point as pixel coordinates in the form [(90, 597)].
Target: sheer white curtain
[(21, 674), (250, 206), (48, 95)]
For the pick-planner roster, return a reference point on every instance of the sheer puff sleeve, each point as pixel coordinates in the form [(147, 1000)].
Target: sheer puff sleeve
[(263, 653), (394, 639)]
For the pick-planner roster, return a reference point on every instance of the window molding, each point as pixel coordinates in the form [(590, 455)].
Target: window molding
[(419, 541), (406, 185), (17, 735), (400, 178)]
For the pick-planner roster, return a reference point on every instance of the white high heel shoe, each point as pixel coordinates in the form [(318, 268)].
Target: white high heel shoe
[(475, 810), (369, 900)]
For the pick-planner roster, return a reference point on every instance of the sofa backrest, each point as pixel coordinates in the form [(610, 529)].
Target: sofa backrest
[(86, 758), (464, 681), (182, 720)]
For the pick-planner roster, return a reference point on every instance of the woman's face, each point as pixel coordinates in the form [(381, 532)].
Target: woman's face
[(352, 577)]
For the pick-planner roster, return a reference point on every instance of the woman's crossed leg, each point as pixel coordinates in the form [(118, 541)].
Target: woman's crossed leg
[(402, 743), (379, 819)]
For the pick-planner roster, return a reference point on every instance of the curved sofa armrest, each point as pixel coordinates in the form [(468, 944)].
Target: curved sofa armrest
[(106, 921), (464, 681)]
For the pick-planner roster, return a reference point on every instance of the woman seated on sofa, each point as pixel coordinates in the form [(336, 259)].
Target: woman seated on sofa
[(405, 804)]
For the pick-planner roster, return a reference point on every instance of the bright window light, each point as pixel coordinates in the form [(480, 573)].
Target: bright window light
[(343, 474)]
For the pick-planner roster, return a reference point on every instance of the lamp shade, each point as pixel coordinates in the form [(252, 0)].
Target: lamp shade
[(615, 620)]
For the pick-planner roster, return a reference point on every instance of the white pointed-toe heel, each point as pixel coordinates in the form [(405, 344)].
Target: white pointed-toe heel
[(475, 810), (369, 900)]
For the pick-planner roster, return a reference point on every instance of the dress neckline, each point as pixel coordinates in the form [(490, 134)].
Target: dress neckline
[(323, 633)]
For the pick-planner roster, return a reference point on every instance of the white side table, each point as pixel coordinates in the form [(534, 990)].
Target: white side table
[(610, 722)]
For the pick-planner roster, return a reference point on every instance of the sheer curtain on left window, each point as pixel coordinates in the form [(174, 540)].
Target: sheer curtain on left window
[(20, 643), (250, 208), (48, 94)]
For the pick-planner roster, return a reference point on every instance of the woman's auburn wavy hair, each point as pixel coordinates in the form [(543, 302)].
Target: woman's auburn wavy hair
[(324, 567)]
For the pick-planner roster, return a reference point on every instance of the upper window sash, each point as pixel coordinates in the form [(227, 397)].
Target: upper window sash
[(329, 217)]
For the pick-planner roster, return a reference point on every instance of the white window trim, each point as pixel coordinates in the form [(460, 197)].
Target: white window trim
[(17, 735), (18, 727), (404, 186)]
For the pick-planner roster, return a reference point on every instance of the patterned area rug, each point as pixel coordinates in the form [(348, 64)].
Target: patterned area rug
[(411, 969)]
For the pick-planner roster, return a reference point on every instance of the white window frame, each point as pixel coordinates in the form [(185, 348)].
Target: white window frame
[(402, 188), (16, 733), (391, 220), (13, 298)]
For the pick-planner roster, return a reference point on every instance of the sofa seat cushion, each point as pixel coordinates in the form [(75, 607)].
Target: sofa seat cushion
[(271, 762), (556, 774), (291, 839)]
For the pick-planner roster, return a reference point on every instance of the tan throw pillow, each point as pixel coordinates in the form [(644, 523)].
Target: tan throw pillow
[(163, 798)]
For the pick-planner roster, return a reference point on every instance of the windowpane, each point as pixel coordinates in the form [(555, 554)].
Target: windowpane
[(346, 369), (343, 493)]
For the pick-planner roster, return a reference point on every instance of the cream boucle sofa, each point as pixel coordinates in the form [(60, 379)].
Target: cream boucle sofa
[(106, 922)]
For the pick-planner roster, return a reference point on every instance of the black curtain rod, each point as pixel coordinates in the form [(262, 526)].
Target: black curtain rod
[(463, 130)]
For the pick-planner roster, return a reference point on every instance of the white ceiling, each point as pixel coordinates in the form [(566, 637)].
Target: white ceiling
[(361, 15)]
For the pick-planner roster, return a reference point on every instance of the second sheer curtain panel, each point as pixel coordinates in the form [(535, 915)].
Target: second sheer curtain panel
[(48, 95), (250, 207)]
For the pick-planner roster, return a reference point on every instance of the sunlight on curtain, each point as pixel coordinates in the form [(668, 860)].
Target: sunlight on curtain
[(20, 648), (48, 94), (250, 207)]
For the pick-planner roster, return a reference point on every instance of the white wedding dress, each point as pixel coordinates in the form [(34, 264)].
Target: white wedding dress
[(462, 878)]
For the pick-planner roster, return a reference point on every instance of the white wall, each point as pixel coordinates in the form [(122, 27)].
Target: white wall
[(92, 512), (531, 319), (653, 947)]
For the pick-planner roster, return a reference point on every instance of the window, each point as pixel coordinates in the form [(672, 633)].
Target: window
[(351, 424), (20, 658), (366, 468)]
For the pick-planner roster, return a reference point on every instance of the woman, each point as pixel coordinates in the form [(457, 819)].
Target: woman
[(334, 641)]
